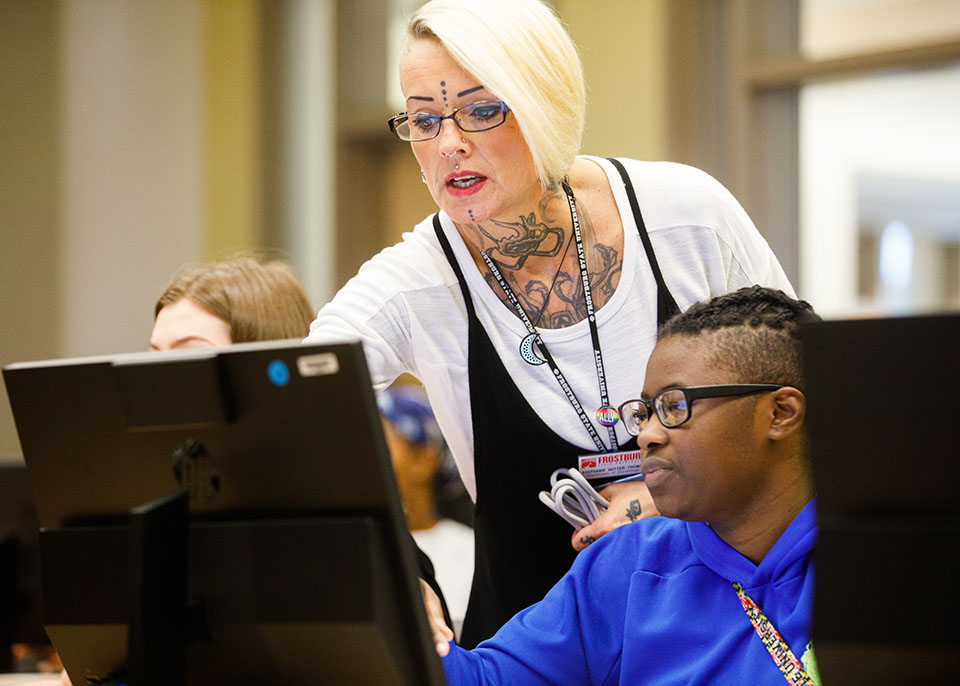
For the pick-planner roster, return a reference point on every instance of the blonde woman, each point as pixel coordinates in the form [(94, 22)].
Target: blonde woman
[(529, 303)]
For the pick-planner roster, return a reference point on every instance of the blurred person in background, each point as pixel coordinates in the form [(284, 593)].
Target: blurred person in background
[(424, 471)]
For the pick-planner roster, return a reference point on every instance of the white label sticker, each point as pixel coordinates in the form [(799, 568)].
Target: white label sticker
[(321, 364), (605, 465)]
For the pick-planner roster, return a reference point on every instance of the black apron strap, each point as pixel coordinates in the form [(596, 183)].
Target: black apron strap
[(451, 258), (666, 305), (522, 548)]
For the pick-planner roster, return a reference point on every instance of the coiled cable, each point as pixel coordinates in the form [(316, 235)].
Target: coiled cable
[(573, 498)]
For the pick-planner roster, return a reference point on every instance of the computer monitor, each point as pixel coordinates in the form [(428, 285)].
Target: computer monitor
[(883, 402), (220, 516)]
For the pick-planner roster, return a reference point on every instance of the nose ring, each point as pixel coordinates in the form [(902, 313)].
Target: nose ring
[(450, 155)]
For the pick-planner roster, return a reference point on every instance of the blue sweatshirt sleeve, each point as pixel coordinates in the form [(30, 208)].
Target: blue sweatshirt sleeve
[(573, 635)]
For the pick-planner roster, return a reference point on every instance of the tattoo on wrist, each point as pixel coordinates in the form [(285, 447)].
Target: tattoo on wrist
[(634, 511)]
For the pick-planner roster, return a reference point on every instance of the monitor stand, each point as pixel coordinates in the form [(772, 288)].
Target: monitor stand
[(158, 575)]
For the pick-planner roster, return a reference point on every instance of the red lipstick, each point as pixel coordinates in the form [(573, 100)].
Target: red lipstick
[(464, 182)]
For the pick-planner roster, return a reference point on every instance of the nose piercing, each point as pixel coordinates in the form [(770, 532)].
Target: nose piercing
[(450, 156)]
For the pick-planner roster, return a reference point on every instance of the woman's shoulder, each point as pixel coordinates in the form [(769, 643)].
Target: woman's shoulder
[(417, 257), (672, 194), (647, 176)]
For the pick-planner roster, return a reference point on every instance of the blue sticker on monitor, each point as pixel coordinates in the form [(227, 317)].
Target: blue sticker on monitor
[(278, 373)]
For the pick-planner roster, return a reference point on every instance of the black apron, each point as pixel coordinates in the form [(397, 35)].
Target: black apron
[(522, 547)]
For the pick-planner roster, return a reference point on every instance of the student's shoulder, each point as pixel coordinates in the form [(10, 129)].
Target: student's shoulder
[(651, 543)]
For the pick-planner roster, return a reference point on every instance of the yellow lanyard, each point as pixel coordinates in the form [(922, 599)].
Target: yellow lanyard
[(791, 668)]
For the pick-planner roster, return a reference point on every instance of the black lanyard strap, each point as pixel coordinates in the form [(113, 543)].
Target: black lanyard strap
[(666, 305), (594, 334)]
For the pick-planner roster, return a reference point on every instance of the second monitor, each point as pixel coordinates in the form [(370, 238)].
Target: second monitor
[(242, 496)]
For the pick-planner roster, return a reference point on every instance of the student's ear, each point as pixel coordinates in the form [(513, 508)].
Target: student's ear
[(788, 408)]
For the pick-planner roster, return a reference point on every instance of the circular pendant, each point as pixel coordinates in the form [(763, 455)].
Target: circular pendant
[(607, 416), (528, 352)]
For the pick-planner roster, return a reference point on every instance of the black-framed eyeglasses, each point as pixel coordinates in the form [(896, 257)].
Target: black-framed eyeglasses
[(422, 126), (674, 405)]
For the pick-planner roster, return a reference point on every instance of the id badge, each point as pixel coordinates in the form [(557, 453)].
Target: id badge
[(609, 465)]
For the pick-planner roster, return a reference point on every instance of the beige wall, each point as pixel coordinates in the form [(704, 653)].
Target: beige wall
[(100, 123), (232, 121), (131, 121), (134, 139), (139, 130), (623, 46), (29, 191)]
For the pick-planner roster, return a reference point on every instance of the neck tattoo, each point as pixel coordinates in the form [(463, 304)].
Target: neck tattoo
[(546, 301), (515, 243)]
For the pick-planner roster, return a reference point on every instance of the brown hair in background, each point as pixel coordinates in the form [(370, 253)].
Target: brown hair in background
[(259, 298)]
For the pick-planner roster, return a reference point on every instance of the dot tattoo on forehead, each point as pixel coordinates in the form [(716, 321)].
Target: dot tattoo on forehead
[(443, 91)]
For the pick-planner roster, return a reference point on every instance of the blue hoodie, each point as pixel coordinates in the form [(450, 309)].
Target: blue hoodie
[(653, 603)]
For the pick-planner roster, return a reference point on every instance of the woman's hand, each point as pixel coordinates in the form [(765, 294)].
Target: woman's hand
[(442, 634), (630, 501)]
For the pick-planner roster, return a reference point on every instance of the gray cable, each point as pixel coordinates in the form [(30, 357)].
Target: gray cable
[(573, 498)]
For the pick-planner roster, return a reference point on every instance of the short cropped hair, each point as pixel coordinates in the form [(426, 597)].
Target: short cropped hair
[(260, 299), (755, 331), (520, 51)]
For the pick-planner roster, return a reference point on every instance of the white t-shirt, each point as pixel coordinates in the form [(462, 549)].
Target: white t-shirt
[(405, 305), (449, 545)]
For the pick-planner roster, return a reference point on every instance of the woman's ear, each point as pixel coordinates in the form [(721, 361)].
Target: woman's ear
[(788, 408)]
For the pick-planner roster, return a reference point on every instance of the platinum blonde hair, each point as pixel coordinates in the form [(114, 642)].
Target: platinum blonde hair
[(520, 51)]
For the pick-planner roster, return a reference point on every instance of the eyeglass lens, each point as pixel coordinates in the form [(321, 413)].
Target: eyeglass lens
[(478, 116), (633, 415), (671, 406)]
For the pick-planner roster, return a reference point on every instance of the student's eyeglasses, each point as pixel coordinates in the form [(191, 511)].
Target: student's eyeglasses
[(674, 405), (422, 126)]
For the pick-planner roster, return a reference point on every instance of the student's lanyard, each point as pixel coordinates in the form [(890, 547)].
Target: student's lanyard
[(791, 668), (605, 407)]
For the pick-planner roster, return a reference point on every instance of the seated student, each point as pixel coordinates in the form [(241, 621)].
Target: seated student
[(685, 598), (232, 301), (418, 451), (237, 300)]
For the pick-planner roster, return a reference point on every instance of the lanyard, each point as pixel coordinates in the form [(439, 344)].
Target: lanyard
[(594, 333), (791, 668)]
